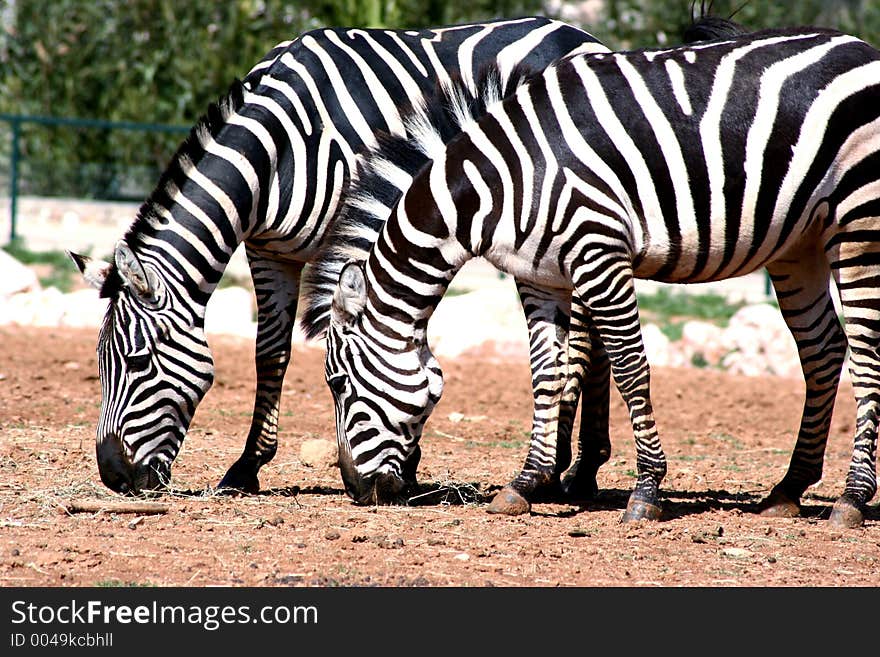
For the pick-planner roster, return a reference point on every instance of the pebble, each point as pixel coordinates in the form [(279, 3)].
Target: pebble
[(317, 452), (736, 552), (332, 535), (462, 556)]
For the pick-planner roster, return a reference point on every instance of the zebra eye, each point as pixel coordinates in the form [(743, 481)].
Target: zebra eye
[(137, 362), (337, 384)]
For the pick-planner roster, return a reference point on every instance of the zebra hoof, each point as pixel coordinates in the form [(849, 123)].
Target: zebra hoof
[(509, 503), (236, 480), (846, 515), (640, 510), (779, 505), (580, 488), (549, 491)]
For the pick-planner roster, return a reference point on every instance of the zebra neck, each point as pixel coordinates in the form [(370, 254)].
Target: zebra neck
[(203, 208), (187, 254), (407, 285)]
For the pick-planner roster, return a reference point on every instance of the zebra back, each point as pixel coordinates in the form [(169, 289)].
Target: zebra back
[(385, 169)]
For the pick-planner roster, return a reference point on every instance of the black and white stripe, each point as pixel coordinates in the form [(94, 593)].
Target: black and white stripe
[(688, 164), (269, 166)]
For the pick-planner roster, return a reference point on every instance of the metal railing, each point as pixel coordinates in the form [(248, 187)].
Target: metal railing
[(16, 121)]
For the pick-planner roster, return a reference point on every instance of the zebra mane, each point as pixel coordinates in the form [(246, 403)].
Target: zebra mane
[(709, 27), (384, 172), (190, 151)]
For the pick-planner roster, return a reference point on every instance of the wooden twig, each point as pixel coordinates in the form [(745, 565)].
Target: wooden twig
[(112, 506)]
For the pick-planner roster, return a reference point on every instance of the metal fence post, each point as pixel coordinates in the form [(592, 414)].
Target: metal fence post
[(16, 121), (13, 179)]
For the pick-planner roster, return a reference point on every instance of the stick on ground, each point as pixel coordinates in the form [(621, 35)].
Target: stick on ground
[(111, 506)]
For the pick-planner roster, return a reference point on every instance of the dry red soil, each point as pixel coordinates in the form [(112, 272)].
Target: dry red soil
[(728, 440)]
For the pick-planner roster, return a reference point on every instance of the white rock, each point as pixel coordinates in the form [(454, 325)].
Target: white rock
[(317, 452), (736, 552), (490, 315), (42, 308), (230, 311), (656, 346), (49, 307), (701, 333), (83, 308), (760, 343), (15, 277), (702, 339)]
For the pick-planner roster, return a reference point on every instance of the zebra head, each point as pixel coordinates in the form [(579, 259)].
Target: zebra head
[(155, 366), (383, 388)]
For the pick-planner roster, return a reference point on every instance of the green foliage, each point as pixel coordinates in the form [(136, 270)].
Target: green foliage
[(60, 271), (670, 309), (625, 24), (165, 61), (155, 61), (666, 304), (672, 330), (25, 256)]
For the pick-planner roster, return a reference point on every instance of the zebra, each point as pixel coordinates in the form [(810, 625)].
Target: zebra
[(268, 165), (686, 165), (546, 310)]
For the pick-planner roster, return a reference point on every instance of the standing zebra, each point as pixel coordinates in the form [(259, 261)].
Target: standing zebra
[(268, 166), (684, 165)]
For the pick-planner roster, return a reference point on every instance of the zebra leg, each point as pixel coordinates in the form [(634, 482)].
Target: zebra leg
[(860, 301), (608, 289), (589, 376), (548, 320), (276, 285), (802, 290)]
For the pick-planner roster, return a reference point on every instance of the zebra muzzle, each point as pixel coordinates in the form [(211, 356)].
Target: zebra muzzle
[(119, 474), (382, 488)]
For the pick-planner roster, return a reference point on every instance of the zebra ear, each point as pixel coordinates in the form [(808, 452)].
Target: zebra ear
[(350, 296), (132, 271), (95, 272)]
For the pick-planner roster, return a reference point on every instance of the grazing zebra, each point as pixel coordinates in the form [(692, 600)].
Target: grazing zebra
[(268, 166), (686, 165)]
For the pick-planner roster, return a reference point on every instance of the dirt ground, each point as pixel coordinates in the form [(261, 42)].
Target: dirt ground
[(727, 439)]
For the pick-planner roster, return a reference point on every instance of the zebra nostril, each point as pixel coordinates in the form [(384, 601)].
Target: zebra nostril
[(388, 489), (113, 466)]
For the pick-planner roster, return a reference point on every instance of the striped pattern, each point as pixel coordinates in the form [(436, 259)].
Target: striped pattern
[(269, 166), (683, 165)]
